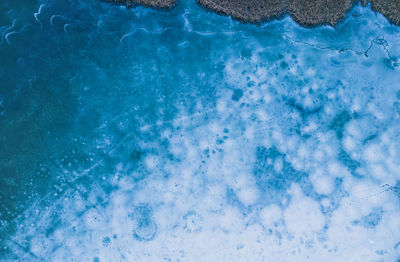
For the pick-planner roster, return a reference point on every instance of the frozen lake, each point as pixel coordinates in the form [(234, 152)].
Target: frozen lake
[(144, 135)]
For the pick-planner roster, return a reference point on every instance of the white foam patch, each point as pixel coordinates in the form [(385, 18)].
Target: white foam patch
[(308, 210), (323, 183)]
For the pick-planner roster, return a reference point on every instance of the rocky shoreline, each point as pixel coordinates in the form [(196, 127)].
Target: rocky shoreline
[(305, 12), (389, 8), (162, 4)]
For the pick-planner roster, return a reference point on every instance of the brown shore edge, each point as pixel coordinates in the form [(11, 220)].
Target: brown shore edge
[(159, 4), (307, 13)]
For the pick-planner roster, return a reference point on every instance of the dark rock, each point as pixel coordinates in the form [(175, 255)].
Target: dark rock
[(304, 12), (389, 8), (318, 12), (164, 4), (252, 11)]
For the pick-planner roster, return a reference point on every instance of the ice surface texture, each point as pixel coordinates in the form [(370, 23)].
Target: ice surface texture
[(142, 135)]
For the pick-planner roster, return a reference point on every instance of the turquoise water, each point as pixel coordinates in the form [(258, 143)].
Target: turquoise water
[(143, 135)]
